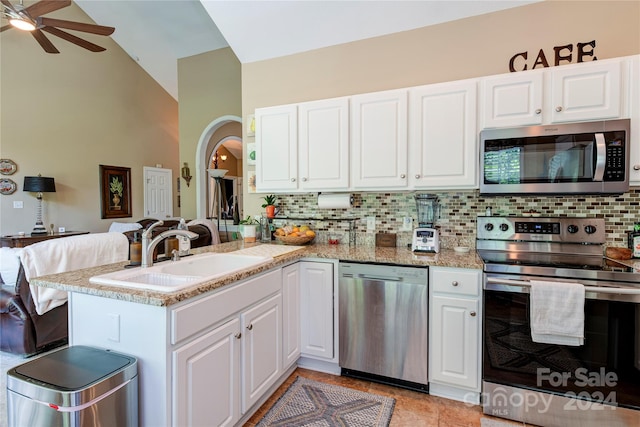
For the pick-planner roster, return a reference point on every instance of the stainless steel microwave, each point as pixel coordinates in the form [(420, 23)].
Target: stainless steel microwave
[(572, 158)]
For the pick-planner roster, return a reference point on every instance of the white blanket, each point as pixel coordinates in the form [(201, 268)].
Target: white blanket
[(215, 237), (557, 313), (68, 254)]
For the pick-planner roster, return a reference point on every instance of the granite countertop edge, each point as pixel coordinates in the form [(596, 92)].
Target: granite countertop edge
[(78, 281)]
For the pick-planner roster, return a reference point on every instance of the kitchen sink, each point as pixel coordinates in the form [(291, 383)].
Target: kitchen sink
[(175, 275)]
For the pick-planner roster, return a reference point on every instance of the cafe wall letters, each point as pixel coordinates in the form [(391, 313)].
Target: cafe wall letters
[(561, 54)]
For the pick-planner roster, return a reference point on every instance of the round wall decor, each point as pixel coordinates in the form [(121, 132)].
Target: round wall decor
[(7, 186), (7, 167)]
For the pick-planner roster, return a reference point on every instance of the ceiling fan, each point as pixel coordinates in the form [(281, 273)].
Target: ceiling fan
[(30, 19)]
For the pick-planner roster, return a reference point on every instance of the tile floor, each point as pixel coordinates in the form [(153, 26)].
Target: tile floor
[(412, 409)]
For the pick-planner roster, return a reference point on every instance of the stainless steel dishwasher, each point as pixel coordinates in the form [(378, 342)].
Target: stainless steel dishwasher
[(384, 323)]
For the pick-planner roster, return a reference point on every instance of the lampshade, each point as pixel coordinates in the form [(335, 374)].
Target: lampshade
[(39, 184)]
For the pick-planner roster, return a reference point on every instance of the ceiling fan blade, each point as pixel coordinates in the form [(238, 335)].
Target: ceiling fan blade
[(45, 6), (8, 4), (73, 39), (78, 26), (44, 41), (6, 27)]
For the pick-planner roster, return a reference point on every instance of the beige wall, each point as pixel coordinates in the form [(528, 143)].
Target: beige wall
[(209, 88), (63, 115), (468, 48)]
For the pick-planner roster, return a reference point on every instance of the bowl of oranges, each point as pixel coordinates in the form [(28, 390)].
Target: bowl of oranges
[(294, 235)]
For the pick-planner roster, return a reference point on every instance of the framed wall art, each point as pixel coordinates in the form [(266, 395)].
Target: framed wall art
[(115, 192), (7, 167)]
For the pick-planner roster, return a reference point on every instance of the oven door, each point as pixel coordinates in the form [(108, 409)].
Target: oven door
[(605, 369)]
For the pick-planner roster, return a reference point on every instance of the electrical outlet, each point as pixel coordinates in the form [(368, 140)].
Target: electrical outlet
[(407, 222), (371, 223), (61, 229), (18, 204)]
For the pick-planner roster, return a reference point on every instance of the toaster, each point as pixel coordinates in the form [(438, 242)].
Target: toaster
[(425, 240)]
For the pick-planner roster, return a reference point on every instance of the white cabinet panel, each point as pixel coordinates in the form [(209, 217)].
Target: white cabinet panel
[(290, 315), (443, 152), (276, 148), (379, 140), (207, 379), (588, 92), (316, 309), (324, 145), (634, 140), (512, 99)]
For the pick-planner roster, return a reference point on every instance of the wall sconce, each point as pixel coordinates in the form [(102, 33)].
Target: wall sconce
[(222, 157), (39, 184), (186, 173)]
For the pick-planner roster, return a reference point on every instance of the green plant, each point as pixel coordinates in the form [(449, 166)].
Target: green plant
[(248, 220), (269, 199), (116, 186)]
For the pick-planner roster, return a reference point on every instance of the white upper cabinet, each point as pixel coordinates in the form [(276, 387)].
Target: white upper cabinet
[(379, 140), (442, 135), (569, 93), (586, 92), (511, 100), (323, 145), (276, 148)]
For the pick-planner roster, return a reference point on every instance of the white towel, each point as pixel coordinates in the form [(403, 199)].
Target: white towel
[(557, 313), (68, 254), (121, 227), (215, 237)]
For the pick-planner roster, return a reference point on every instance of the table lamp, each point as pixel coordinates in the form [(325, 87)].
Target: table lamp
[(39, 184)]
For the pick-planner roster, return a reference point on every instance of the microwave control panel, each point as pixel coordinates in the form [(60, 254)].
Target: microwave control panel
[(615, 164)]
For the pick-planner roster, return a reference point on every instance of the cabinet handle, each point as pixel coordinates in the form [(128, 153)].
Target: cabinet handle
[(538, 111), (558, 109), (238, 335), (304, 179), (250, 327), (454, 283), (636, 167), (403, 176), (293, 180), (417, 176), (473, 314)]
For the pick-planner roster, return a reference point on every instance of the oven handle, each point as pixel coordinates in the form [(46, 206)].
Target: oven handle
[(601, 157), (600, 289)]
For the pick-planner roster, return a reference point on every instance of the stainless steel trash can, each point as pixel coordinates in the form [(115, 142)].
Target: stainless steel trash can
[(75, 386)]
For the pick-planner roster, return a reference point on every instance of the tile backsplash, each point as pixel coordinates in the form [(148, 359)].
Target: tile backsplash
[(457, 222)]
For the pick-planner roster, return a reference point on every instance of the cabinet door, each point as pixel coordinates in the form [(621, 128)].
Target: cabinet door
[(324, 145), (454, 349), (634, 140), (206, 372), (512, 99), (586, 92), (290, 315), (442, 138), (316, 309), (262, 349), (379, 140), (276, 148)]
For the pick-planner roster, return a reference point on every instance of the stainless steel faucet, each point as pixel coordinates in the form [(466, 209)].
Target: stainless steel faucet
[(148, 245)]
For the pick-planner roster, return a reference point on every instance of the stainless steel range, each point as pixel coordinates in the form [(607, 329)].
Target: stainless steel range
[(593, 384)]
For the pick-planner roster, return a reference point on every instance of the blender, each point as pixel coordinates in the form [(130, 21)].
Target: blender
[(426, 238)]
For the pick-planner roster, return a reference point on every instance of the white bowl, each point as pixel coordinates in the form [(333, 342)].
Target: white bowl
[(462, 249)]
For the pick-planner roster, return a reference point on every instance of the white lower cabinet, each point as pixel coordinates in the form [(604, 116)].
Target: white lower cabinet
[(290, 315), (455, 333), (317, 309)]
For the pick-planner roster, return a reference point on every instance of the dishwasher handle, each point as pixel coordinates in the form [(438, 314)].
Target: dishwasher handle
[(371, 277)]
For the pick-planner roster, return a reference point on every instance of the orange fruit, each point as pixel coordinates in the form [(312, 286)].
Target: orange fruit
[(310, 233)]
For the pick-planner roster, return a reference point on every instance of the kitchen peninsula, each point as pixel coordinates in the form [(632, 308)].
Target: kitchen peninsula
[(216, 351)]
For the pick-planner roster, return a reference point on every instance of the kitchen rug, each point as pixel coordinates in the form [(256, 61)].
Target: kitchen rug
[(311, 403)]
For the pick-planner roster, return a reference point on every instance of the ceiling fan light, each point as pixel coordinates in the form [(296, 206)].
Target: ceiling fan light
[(21, 24)]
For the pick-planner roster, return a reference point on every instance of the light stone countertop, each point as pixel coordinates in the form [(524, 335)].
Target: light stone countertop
[(78, 281)]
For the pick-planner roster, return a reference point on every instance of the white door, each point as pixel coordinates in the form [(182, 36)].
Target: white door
[(324, 145), (379, 140), (262, 349), (290, 315), (206, 372), (158, 193), (442, 138), (454, 350), (316, 309), (513, 99), (587, 92), (276, 148)]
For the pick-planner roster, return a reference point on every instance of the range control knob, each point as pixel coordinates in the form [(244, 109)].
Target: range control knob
[(488, 227), (504, 227), (572, 229), (590, 229)]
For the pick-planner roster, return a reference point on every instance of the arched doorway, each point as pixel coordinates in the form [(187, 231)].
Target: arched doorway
[(206, 144)]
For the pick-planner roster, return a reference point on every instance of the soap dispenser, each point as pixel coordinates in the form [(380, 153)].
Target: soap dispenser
[(135, 250)]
